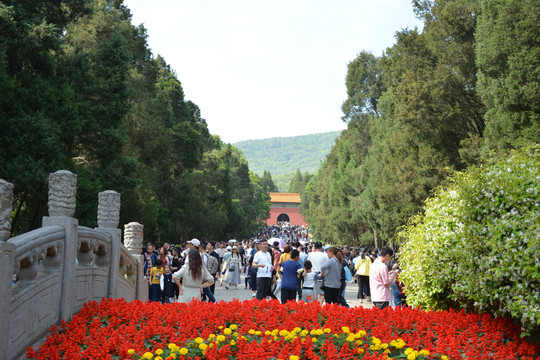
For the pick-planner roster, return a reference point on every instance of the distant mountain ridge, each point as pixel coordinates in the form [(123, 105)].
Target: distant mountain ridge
[(283, 155)]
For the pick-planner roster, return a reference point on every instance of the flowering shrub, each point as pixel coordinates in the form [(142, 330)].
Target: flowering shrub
[(477, 246), (115, 329)]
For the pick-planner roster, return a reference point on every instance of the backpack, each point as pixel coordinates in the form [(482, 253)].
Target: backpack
[(212, 264)]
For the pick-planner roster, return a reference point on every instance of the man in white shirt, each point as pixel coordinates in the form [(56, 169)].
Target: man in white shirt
[(262, 261), (318, 258)]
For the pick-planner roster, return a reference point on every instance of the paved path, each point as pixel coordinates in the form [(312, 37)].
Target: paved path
[(245, 294)]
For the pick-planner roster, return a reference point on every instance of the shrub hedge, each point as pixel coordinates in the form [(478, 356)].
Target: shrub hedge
[(476, 246)]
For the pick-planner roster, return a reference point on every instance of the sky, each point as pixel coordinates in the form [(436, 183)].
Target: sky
[(268, 68)]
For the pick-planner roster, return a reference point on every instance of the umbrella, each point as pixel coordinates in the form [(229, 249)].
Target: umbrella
[(281, 242), (232, 240)]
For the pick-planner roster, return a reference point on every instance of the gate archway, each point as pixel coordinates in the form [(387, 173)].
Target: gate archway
[(283, 217)]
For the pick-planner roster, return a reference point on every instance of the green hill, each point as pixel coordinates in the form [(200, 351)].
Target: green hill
[(283, 155)]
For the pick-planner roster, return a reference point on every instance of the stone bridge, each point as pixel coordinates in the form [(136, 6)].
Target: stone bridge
[(46, 275)]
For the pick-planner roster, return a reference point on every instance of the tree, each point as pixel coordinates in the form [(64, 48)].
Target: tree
[(508, 58)]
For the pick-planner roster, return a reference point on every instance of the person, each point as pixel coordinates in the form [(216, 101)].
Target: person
[(165, 257), (177, 263), (210, 248), (251, 270), (290, 270), (380, 279), (155, 275), (149, 260), (224, 262), (282, 258), (166, 284), (301, 260), (318, 258), (331, 272), (309, 282), (262, 261), (232, 268), (195, 277), (363, 264)]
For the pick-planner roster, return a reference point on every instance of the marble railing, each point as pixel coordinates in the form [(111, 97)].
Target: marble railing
[(48, 274)]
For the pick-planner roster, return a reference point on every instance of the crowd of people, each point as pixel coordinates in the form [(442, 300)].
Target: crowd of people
[(289, 270)]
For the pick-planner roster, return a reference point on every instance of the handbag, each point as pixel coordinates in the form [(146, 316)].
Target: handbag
[(232, 267), (348, 275)]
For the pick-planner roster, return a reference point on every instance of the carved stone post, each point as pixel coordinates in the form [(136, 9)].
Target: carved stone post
[(133, 241), (62, 202), (7, 262), (133, 237), (6, 206), (108, 217)]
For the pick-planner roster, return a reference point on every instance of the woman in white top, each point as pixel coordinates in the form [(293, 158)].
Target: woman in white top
[(194, 277), (232, 267)]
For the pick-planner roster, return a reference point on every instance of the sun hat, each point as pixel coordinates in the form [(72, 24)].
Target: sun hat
[(195, 242)]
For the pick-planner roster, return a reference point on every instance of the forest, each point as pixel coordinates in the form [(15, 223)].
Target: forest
[(283, 156), (80, 90), (463, 90)]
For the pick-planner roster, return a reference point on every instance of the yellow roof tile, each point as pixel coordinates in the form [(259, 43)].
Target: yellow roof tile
[(285, 198)]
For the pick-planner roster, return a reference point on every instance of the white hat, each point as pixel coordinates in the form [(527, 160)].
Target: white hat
[(195, 242), (229, 248), (234, 247)]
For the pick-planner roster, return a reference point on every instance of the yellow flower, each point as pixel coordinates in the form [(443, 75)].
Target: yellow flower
[(408, 351), (148, 355), (159, 358), (227, 331), (159, 352), (424, 352), (203, 347), (258, 333), (359, 342), (233, 327), (173, 356), (384, 346), (211, 336), (233, 342), (172, 346), (183, 351), (444, 357), (360, 351), (252, 332), (314, 339), (360, 334), (411, 356), (350, 338), (294, 357), (131, 351), (220, 338), (327, 330), (199, 340), (345, 329), (283, 333)]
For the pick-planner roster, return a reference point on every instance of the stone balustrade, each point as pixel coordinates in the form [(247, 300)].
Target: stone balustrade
[(47, 275)]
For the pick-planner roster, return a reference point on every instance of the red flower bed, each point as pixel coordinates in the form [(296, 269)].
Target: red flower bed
[(115, 329)]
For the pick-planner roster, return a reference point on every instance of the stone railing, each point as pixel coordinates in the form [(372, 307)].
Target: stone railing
[(47, 275)]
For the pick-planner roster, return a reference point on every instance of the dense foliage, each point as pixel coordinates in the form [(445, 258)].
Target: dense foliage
[(259, 329), (80, 90), (484, 226), (282, 156), (417, 113)]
